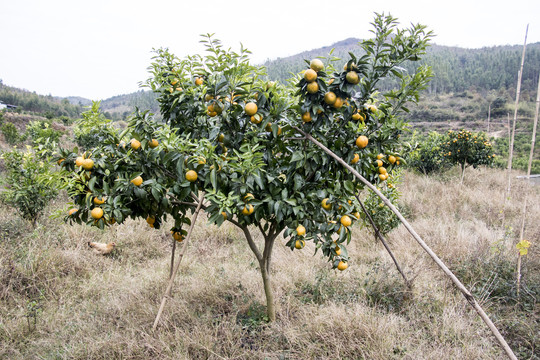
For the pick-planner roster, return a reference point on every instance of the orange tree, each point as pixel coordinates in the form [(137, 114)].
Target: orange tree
[(236, 137), (466, 148)]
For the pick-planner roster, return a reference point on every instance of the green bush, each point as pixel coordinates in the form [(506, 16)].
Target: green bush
[(427, 155), (41, 132), (385, 220), (11, 134), (92, 129), (29, 183)]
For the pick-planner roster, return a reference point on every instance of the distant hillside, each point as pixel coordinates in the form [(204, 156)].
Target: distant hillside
[(455, 69)]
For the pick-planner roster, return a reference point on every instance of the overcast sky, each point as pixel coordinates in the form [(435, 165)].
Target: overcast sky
[(98, 49)]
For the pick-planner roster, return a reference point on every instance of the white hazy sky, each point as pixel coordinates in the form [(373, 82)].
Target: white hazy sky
[(98, 49)]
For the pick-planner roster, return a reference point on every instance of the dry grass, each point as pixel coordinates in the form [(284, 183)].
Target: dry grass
[(92, 307)]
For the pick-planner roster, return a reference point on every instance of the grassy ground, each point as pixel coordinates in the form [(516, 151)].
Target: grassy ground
[(58, 300)]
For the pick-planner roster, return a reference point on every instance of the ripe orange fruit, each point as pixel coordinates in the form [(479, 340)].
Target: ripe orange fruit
[(256, 119), (330, 98), (338, 103), (316, 64), (306, 117), (99, 201), (72, 211), (331, 81), (135, 144), (137, 181), (312, 87), (177, 235), (153, 143), (310, 75), (380, 156), (174, 82), (325, 205), (356, 214), (248, 209), (392, 159), (97, 213), (372, 108), (362, 141), (79, 161), (249, 197), (382, 170), (356, 116), (301, 230), (150, 220), (346, 221), (191, 176), (198, 81), (379, 163), (251, 109), (355, 159), (337, 250), (383, 177), (88, 164), (299, 244), (224, 214), (342, 266), (60, 161)]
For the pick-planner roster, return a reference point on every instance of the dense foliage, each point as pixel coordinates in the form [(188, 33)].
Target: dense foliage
[(427, 153)]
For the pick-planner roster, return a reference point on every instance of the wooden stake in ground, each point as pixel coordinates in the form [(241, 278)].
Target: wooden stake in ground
[(518, 91), (180, 256), (383, 241), (468, 296)]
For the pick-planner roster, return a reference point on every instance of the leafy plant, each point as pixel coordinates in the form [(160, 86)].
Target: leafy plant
[(30, 184), (235, 137), (91, 129), (11, 134), (427, 156)]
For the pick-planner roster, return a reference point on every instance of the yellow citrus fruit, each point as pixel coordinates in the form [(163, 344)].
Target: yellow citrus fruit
[(299, 244), (248, 197), (382, 170), (221, 137), (380, 156), (251, 109), (191, 176), (248, 209), (137, 181), (72, 211), (356, 214), (79, 161), (150, 220), (97, 213), (325, 205), (88, 164), (355, 159), (135, 144), (224, 214), (256, 119), (177, 235), (99, 201), (379, 163), (372, 108), (338, 103), (301, 230), (346, 221), (312, 87), (330, 98), (198, 81), (352, 77), (153, 143), (356, 116), (174, 82), (208, 97), (306, 117), (342, 266), (362, 141), (383, 177), (316, 64), (310, 75), (392, 159), (60, 161), (337, 250)]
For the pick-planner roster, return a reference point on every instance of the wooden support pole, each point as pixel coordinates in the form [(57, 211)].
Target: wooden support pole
[(468, 296), (180, 256)]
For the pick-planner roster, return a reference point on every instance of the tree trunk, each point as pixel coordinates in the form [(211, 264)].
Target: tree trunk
[(462, 172), (268, 292)]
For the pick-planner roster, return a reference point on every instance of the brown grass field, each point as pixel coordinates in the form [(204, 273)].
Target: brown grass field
[(59, 300)]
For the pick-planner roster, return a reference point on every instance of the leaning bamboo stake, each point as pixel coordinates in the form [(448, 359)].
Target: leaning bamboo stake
[(172, 257), (468, 296), (534, 130), (518, 91), (383, 241), (180, 256)]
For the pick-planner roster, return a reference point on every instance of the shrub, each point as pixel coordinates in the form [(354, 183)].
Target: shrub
[(91, 130), (30, 184), (427, 156), (11, 134), (41, 132)]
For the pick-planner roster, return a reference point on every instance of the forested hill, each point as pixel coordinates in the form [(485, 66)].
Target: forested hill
[(455, 69)]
